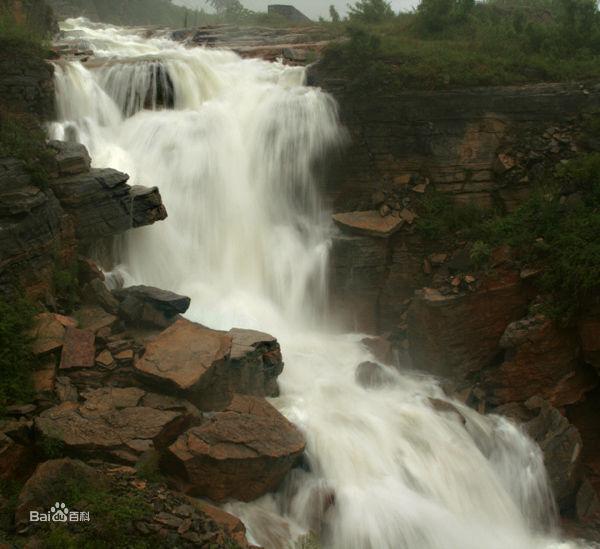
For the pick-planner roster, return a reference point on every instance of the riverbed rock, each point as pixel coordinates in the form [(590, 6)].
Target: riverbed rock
[(71, 158), (115, 423), (242, 452), (372, 375), (78, 349)]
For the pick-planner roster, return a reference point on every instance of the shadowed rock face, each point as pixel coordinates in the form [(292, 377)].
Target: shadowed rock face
[(242, 452)]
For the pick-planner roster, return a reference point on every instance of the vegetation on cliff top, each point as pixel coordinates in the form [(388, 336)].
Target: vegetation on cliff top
[(555, 230), (456, 43)]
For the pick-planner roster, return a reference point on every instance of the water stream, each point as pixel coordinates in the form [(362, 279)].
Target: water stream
[(247, 238)]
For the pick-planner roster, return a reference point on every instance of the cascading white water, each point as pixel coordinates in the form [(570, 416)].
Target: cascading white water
[(247, 239)]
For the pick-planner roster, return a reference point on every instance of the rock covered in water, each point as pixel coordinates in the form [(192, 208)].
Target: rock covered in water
[(117, 423), (242, 452), (559, 441)]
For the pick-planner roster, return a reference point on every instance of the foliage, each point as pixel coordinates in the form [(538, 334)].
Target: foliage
[(230, 9), (66, 284), (370, 11), (480, 254), (440, 218), (16, 358), (437, 15), (457, 43), (333, 13), (113, 513)]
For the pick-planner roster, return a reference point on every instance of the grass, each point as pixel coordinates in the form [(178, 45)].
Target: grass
[(501, 42), (16, 359)]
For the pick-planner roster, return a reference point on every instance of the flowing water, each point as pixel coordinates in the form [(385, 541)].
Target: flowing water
[(247, 238)]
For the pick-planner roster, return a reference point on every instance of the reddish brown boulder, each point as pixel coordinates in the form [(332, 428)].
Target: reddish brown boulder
[(116, 423), (230, 524), (241, 453), (540, 359), (78, 349), (17, 460), (48, 332), (457, 334), (381, 349), (189, 359)]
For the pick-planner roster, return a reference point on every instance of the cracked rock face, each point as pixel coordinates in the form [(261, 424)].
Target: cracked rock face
[(117, 423), (242, 453)]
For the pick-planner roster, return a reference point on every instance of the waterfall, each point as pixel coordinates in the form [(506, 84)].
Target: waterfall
[(233, 145)]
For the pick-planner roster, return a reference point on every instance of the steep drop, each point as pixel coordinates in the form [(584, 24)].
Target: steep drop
[(247, 239)]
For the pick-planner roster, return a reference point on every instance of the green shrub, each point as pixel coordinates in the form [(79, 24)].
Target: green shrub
[(66, 284), (480, 254), (370, 11), (16, 358), (434, 16)]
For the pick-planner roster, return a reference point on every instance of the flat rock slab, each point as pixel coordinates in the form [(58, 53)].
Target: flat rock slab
[(186, 358), (117, 423), (369, 223), (149, 306), (242, 453), (78, 349), (48, 332)]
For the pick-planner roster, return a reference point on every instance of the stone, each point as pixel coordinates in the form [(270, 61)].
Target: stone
[(188, 359), (240, 453), (105, 359), (540, 359), (255, 362), (447, 408), (96, 292), (377, 198), (381, 349), (456, 335), (16, 460), (112, 423), (78, 349), (71, 158), (87, 271), (438, 259), (48, 334), (232, 525), (373, 375), (44, 376), (103, 204), (385, 210), (65, 390), (420, 188), (95, 319), (369, 223), (408, 216), (145, 305)]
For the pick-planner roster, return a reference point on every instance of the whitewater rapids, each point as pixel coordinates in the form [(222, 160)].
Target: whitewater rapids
[(248, 239)]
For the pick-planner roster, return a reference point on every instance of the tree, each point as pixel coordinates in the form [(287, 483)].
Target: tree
[(434, 16), (333, 13), (371, 11), (229, 8)]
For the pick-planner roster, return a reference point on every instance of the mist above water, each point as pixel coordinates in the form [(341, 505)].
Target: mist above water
[(248, 240)]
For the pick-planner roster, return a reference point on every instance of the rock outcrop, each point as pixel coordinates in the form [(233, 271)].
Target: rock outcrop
[(118, 424), (240, 453)]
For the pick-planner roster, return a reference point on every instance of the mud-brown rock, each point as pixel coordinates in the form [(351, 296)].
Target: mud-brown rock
[(454, 335), (116, 423), (242, 453), (539, 359), (370, 223), (189, 359), (78, 349)]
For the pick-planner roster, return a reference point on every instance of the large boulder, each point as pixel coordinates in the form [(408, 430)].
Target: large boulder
[(188, 359), (241, 453), (539, 359), (370, 223), (207, 366), (116, 423), (455, 335)]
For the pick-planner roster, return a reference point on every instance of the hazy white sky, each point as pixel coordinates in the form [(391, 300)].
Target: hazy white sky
[(312, 8)]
